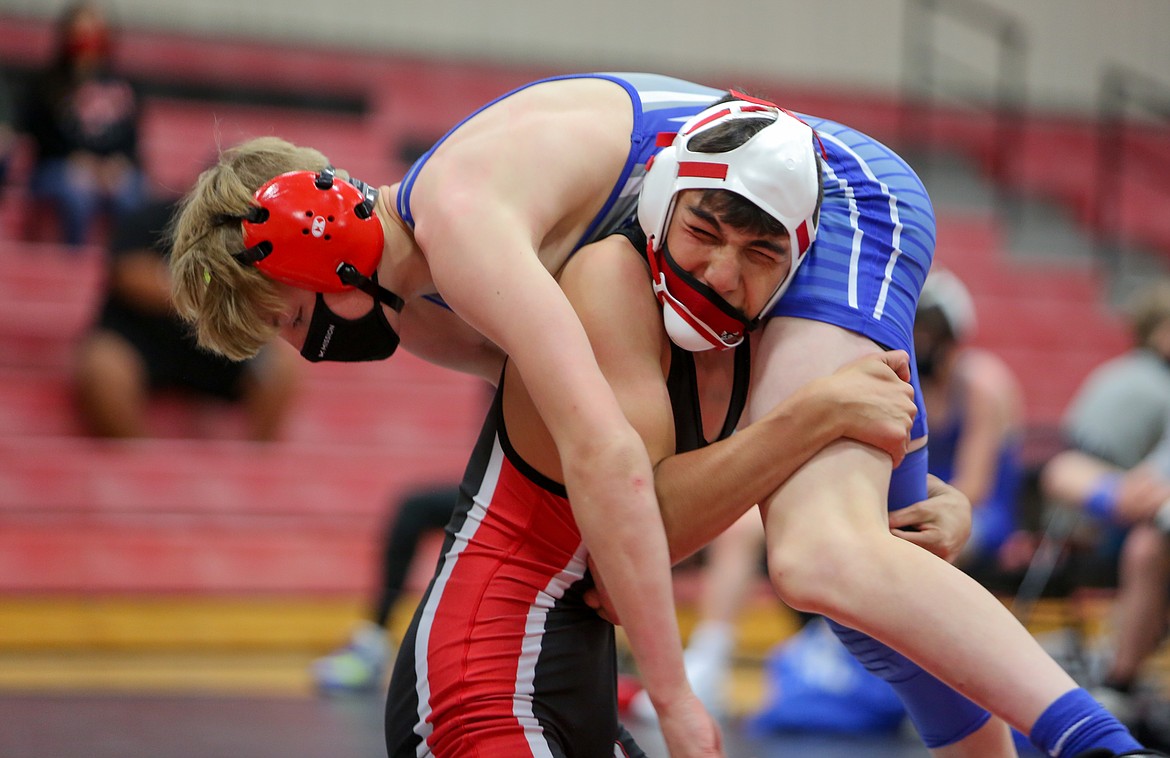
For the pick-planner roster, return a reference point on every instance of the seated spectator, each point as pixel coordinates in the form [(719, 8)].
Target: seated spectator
[(1117, 471), (138, 346), (83, 121), (976, 409)]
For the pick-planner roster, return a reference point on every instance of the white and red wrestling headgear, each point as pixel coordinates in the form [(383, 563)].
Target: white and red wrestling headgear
[(776, 169)]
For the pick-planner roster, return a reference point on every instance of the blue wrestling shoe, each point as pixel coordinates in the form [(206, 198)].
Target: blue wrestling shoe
[(359, 667)]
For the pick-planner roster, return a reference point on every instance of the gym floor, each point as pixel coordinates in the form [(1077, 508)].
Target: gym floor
[(120, 698), (141, 704), (130, 725)]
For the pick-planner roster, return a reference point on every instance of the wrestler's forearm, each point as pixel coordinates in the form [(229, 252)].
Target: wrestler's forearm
[(704, 491), (440, 337), (616, 511)]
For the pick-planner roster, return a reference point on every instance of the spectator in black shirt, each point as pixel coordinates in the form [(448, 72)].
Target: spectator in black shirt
[(83, 121), (138, 346)]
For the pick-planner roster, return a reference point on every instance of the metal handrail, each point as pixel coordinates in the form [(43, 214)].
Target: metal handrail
[(1123, 90), (923, 57)]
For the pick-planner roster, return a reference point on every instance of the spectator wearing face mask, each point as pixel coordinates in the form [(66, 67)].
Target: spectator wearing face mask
[(83, 121)]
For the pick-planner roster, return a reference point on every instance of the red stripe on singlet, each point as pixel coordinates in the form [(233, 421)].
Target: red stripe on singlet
[(477, 635)]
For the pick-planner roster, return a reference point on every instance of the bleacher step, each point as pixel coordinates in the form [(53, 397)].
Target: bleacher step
[(201, 515)]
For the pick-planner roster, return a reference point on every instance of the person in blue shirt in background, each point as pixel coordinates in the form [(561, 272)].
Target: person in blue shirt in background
[(975, 407)]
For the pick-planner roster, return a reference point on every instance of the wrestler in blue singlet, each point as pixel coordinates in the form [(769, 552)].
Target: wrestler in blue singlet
[(660, 104), (874, 243), (874, 246)]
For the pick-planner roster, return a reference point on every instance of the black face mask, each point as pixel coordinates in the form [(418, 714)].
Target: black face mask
[(333, 338)]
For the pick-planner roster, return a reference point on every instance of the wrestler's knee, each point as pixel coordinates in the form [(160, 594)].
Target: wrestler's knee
[(818, 574)]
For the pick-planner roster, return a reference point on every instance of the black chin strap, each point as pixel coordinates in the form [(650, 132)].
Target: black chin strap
[(352, 277)]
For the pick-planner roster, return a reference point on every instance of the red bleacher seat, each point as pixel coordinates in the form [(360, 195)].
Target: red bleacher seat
[(1050, 377), (48, 296), (424, 405), (1049, 322), (98, 515), (207, 514), (181, 138), (72, 555), (193, 478), (221, 515)]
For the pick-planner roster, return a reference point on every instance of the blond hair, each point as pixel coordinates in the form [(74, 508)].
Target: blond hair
[(233, 307)]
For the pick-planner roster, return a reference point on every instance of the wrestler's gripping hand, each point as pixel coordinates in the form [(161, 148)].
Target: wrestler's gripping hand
[(941, 523)]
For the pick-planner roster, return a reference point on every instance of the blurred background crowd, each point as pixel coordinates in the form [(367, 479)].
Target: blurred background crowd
[(233, 525)]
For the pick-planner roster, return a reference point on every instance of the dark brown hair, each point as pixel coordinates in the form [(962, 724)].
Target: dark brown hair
[(737, 210)]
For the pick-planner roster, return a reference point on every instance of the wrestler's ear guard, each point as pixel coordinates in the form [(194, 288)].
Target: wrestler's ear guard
[(310, 230)]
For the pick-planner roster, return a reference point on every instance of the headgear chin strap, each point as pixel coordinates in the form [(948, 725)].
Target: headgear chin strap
[(696, 317), (311, 231), (776, 169)]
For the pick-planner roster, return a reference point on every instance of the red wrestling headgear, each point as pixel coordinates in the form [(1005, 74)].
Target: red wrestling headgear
[(313, 232)]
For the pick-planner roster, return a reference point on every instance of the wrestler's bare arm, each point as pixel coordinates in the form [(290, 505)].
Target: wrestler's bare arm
[(704, 491), (438, 335), (993, 412), (491, 220)]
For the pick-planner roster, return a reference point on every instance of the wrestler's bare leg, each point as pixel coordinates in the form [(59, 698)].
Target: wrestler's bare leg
[(830, 552)]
